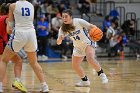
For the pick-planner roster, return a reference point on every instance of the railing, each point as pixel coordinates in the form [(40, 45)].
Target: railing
[(134, 1), (130, 15), (109, 5), (138, 29), (104, 7), (121, 11), (99, 7)]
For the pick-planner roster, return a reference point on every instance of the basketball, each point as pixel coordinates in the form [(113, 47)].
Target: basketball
[(95, 34)]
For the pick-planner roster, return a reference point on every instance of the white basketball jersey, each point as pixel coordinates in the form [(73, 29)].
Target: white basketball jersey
[(80, 35), (24, 15)]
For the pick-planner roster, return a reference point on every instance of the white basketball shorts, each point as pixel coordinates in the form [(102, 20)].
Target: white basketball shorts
[(23, 39), (80, 51)]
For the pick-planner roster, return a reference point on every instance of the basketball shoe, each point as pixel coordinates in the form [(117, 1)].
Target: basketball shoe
[(19, 86), (1, 90), (44, 89), (103, 78), (83, 84)]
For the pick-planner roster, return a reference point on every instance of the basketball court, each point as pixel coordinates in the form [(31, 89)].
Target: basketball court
[(124, 77)]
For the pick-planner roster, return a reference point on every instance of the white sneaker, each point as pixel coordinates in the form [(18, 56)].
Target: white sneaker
[(65, 57), (1, 87), (44, 57), (44, 89), (39, 58), (1, 90), (103, 78), (83, 84), (138, 55)]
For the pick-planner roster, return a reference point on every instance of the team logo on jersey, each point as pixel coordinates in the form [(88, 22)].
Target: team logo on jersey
[(74, 33)]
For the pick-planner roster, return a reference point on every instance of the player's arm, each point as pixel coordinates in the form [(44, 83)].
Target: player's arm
[(86, 24), (60, 37), (91, 26), (9, 31), (10, 22)]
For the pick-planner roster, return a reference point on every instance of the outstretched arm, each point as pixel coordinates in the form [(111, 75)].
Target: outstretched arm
[(59, 39)]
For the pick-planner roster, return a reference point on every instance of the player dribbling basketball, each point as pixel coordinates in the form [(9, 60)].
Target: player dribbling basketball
[(77, 29)]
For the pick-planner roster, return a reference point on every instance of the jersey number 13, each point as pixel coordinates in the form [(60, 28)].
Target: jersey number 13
[(25, 11)]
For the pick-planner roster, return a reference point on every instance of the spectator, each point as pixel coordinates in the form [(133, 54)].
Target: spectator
[(66, 3), (40, 1), (122, 42), (52, 10), (43, 8), (112, 38), (56, 23), (84, 6), (42, 34), (105, 26), (129, 28), (106, 23), (114, 14), (61, 7)]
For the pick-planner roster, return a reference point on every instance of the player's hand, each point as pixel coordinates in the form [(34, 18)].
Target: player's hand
[(59, 39), (62, 37)]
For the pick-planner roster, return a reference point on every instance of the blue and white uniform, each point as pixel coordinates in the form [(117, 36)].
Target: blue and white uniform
[(79, 36), (25, 36), (21, 53)]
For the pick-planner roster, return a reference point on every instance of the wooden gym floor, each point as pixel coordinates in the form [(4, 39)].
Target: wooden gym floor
[(124, 77)]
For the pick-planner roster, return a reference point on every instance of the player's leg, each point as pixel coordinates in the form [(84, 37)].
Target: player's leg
[(3, 64), (30, 48), (76, 65), (17, 71), (38, 70), (90, 56), (17, 65)]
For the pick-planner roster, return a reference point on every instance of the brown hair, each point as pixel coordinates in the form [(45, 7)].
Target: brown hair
[(4, 9), (67, 28)]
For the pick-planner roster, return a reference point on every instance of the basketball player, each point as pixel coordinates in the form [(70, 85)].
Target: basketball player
[(22, 12), (3, 41), (76, 29)]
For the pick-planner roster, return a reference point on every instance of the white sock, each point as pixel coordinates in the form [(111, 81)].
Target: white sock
[(43, 83), (0, 86), (17, 79)]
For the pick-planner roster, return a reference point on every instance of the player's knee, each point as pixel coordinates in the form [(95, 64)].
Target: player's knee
[(5, 59), (90, 58), (36, 66)]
